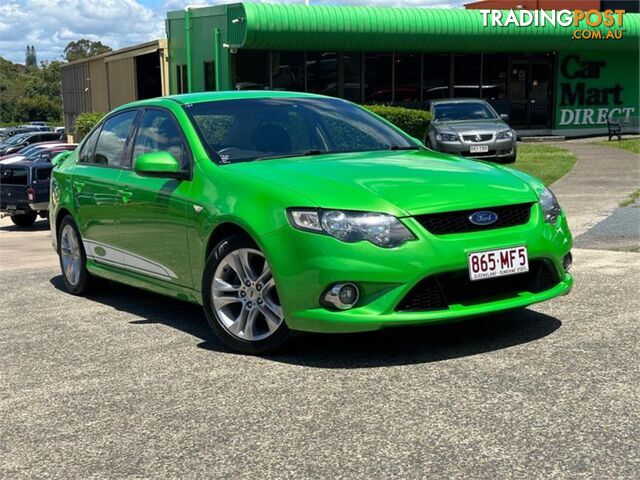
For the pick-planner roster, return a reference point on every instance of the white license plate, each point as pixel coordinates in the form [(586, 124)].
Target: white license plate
[(498, 263), (479, 148)]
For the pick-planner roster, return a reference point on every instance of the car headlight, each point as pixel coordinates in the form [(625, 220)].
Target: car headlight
[(504, 135), (550, 206), (378, 228), (447, 137)]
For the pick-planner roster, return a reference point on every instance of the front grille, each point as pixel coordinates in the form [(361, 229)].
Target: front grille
[(438, 292), (485, 137), (459, 222)]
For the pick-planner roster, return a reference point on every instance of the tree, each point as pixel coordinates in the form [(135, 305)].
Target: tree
[(30, 57), (28, 93), (84, 48)]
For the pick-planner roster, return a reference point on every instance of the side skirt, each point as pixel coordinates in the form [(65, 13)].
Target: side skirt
[(144, 282)]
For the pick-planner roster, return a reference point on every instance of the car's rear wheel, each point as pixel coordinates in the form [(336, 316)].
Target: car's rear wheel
[(241, 299), (73, 259), (24, 219)]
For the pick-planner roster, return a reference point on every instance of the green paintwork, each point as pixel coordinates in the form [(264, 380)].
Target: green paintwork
[(280, 26), (158, 163), (170, 222)]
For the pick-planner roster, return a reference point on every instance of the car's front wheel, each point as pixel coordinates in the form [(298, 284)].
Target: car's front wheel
[(241, 299), (73, 259)]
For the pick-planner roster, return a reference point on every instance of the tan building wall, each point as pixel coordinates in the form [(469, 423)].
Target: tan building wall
[(121, 78), (104, 82), (98, 86)]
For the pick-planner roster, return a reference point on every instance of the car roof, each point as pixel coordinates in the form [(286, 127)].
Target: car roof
[(201, 97), (458, 100)]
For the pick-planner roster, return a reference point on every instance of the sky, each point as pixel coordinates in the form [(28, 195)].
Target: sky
[(50, 25)]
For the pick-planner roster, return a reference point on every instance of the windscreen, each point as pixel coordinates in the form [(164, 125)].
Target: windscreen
[(16, 139), (259, 129), (464, 111)]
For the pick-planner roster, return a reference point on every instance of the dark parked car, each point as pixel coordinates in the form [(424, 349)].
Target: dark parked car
[(24, 184), (18, 142)]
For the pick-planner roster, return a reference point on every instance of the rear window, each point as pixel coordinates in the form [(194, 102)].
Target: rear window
[(43, 174), (13, 176)]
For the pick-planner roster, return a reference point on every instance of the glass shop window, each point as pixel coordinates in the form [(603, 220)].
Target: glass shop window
[(378, 77), (181, 79), (251, 70), (352, 76), (436, 68), (210, 76), (407, 78), (287, 71), (322, 73), (466, 82)]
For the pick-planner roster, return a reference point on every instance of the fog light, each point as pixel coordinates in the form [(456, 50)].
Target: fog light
[(567, 261), (342, 296)]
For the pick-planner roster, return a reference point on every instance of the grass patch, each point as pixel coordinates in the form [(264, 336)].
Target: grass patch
[(629, 144), (632, 199), (545, 162)]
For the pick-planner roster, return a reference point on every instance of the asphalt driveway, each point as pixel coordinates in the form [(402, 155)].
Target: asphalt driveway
[(129, 384)]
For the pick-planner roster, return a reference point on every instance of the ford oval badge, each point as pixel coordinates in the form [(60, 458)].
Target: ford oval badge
[(483, 218)]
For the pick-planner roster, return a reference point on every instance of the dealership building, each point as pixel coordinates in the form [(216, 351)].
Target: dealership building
[(545, 78)]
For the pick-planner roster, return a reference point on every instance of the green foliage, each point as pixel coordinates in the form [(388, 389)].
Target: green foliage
[(84, 48), (86, 121), (30, 94), (412, 121)]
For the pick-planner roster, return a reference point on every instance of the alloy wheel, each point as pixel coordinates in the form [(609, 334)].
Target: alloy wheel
[(70, 255), (244, 295)]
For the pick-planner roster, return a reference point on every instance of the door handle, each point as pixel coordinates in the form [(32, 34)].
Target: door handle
[(126, 194), (78, 185)]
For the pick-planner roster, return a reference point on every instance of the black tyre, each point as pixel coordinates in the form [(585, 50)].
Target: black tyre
[(24, 219), (73, 258), (240, 298)]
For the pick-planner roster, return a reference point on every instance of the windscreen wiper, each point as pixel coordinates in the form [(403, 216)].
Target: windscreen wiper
[(308, 153)]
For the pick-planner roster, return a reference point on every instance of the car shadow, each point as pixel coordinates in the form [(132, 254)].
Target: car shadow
[(38, 226), (390, 347)]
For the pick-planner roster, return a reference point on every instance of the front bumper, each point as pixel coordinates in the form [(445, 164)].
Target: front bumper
[(305, 264), (496, 149)]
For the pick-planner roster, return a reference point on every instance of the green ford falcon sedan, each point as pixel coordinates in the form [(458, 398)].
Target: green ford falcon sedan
[(281, 212)]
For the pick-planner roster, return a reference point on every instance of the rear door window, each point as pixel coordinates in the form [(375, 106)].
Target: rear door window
[(86, 153), (113, 139), (43, 174)]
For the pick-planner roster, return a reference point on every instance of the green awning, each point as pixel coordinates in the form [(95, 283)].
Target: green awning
[(287, 27)]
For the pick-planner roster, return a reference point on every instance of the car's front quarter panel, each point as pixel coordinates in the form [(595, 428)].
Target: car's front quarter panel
[(223, 196)]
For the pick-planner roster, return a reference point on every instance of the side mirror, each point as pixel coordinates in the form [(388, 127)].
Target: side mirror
[(505, 117), (60, 158), (160, 164)]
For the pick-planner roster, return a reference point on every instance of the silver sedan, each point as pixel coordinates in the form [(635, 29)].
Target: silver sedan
[(470, 128)]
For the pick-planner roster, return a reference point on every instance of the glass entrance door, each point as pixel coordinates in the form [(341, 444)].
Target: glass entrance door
[(530, 93)]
